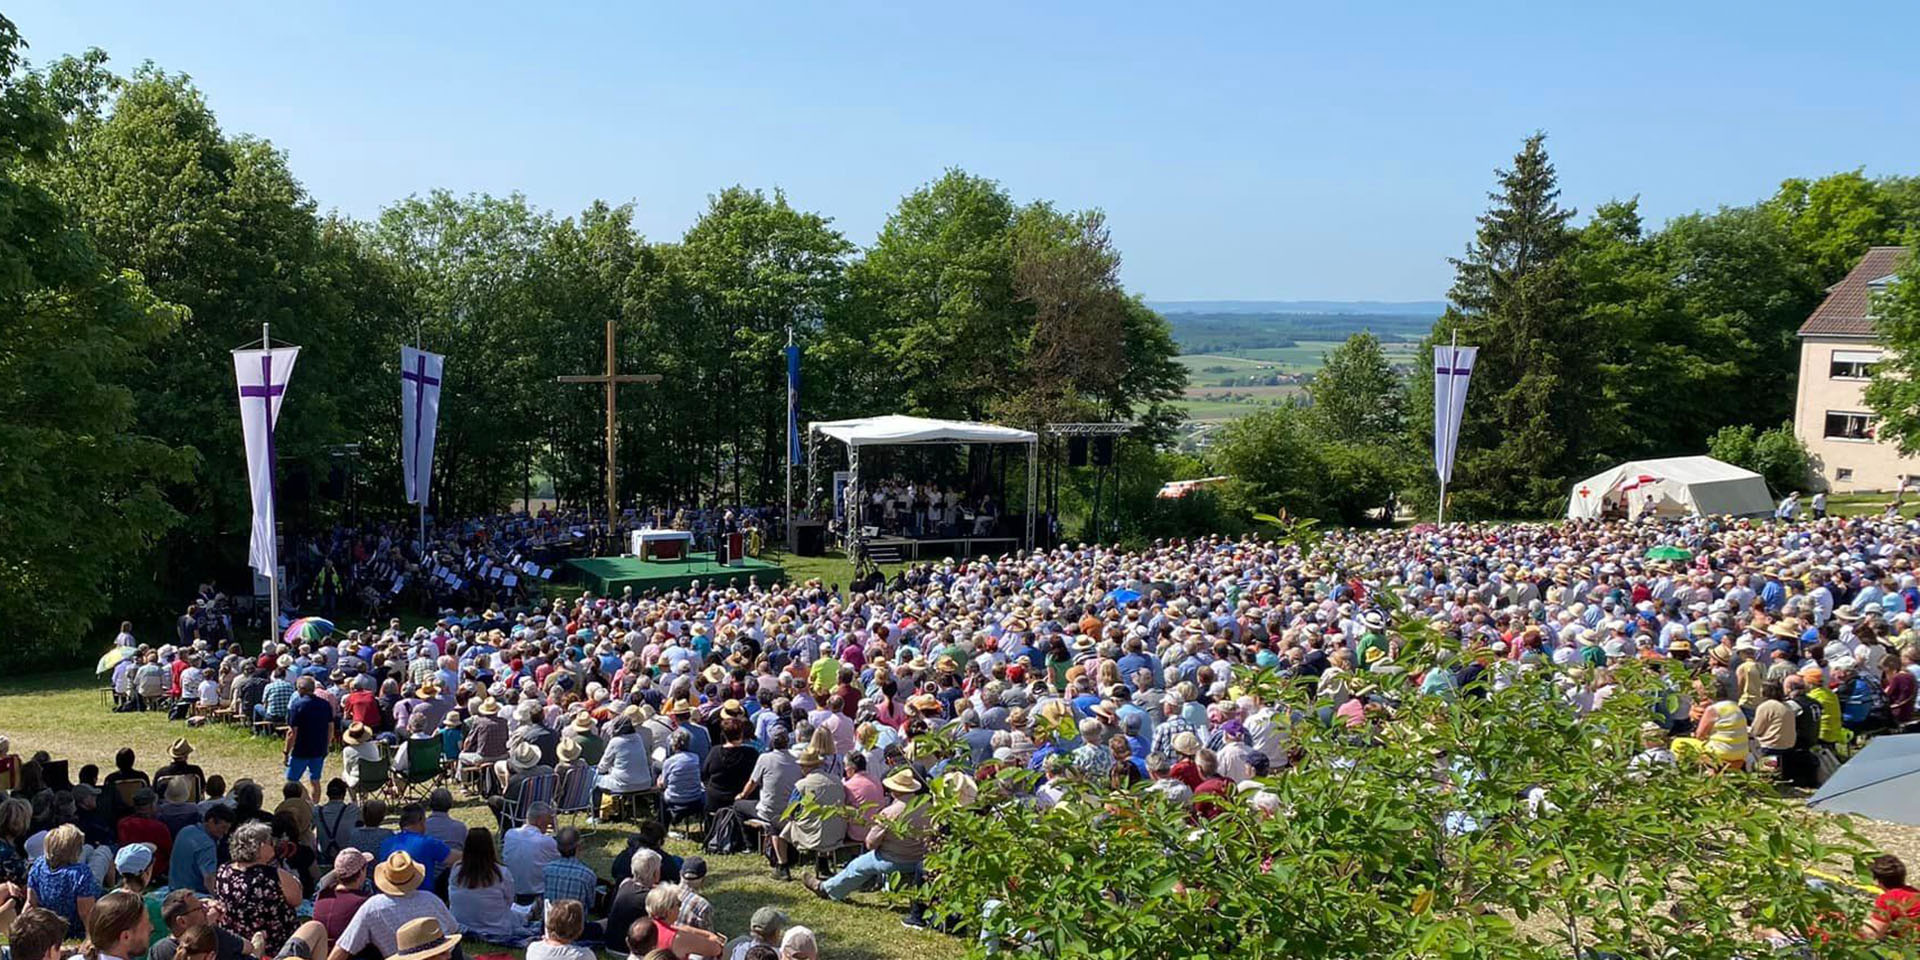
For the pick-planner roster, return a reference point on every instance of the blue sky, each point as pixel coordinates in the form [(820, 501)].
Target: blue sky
[(1259, 151)]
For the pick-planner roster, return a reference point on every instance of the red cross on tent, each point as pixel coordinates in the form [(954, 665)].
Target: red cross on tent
[(1640, 481), (1584, 492)]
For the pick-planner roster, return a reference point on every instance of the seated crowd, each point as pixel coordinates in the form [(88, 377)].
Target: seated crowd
[(716, 708)]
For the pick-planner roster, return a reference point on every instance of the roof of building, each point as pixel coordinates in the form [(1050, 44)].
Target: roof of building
[(1844, 312)]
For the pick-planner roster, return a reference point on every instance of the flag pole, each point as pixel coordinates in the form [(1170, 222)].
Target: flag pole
[(419, 489), (273, 532), (787, 515), (1453, 358)]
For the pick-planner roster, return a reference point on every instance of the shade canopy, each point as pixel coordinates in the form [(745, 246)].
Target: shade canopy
[(1882, 781), (1675, 486), (896, 428)]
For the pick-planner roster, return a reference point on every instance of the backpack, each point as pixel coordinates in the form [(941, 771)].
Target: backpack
[(728, 834)]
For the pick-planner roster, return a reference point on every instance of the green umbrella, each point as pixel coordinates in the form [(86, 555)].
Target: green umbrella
[(1668, 551), (112, 658)]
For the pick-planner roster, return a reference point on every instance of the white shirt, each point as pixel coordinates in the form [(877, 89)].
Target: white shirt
[(526, 851)]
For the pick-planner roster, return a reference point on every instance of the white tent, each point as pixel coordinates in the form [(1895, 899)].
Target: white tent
[(1673, 487), (899, 429), (895, 428)]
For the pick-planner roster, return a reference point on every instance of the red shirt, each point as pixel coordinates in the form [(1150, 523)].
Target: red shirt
[(178, 667), (138, 829), (1899, 908), (1203, 804), (363, 707)]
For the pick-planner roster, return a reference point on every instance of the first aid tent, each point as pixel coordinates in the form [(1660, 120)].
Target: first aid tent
[(1673, 487)]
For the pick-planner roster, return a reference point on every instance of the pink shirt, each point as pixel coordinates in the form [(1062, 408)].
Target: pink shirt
[(866, 797)]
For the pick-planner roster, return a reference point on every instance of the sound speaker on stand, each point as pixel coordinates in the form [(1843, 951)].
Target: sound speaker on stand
[(1076, 451), (1103, 451)]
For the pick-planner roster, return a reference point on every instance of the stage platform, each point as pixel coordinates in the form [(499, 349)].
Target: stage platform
[(608, 576)]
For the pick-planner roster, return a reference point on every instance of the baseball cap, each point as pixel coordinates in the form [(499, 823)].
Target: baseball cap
[(768, 919), (134, 858), (693, 868)]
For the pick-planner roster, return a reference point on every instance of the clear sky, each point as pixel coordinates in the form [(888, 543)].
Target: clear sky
[(1259, 151)]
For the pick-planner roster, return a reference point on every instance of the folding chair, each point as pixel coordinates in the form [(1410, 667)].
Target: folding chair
[(530, 791), (198, 792), (371, 777), (422, 770), (574, 793)]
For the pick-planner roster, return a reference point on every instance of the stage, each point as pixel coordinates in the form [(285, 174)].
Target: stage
[(607, 576)]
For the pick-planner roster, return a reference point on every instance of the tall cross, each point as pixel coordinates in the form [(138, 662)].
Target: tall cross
[(612, 381), (266, 391), (420, 384)]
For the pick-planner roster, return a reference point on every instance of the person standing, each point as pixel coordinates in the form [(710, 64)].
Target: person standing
[(309, 737), (1820, 505)]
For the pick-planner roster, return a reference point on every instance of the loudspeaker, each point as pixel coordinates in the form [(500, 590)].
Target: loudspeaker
[(1076, 451), (811, 539), (336, 485), (1103, 451)]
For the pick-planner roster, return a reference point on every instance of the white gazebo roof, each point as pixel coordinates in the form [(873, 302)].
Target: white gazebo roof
[(896, 428)]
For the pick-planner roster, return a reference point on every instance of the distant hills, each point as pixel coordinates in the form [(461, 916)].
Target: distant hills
[(1385, 308), (1220, 326)]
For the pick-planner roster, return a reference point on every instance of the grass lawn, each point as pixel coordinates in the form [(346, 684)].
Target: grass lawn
[(831, 568), (62, 714), (1862, 504)]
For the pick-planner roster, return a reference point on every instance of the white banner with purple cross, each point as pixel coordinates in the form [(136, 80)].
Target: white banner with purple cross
[(1452, 368), (420, 374), (262, 376)]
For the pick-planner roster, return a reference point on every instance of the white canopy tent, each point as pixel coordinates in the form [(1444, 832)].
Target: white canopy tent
[(1671, 487), (899, 429)]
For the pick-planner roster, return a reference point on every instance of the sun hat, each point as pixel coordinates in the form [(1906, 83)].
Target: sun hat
[(398, 875), (903, 780), (810, 757), (452, 719), (568, 750), (181, 748), (357, 734), (583, 722), (489, 707), (1186, 743), (133, 858), (422, 939), (523, 756)]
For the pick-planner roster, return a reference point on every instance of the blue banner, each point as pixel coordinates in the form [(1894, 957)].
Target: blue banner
[(793, 405)]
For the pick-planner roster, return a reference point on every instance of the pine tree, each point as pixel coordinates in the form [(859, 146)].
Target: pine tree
[(1515, 296)]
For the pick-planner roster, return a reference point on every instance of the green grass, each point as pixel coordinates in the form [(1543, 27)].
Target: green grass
[(1862, 504), (62, 714), (830, 569)]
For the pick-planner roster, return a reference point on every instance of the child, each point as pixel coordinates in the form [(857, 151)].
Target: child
[(566, 919)]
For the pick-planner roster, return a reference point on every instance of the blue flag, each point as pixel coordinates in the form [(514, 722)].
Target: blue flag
[(793, 404)]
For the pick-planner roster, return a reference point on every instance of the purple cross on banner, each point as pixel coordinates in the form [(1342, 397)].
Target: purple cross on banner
[(418, 376), (265, 393), (262, 375)]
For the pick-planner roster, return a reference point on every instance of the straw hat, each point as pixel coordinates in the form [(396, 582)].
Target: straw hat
[(1186, 744), (568, 751), (452, 719), (422, 939), (583, 722), (903, 780), (810, 757), (523, 756), (714, 673), (357, 734), (679, 708), (397, 876), (181, 748), (489, 707)]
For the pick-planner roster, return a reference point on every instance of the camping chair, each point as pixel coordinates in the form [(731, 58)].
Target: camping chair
[(522, 798), (10, 773), (422, 770), (54, 776), (199, 791), (591, 750), (123, 791), (574, 793), (371, 776)]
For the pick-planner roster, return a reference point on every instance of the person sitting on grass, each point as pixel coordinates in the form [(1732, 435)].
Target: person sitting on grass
[(685, 940), (566, 920), (37, 935), (1896, 911), (118, 927)]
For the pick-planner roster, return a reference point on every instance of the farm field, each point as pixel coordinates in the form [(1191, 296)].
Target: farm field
[(1228, 385)]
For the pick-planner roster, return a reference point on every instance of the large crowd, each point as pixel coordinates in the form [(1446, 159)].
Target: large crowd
[(714, 710)]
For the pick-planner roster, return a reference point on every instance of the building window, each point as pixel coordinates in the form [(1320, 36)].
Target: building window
[(1852, 364), (1849, 426), (1843, 474)]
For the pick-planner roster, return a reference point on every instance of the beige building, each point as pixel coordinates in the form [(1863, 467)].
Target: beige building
[(1837, 353)]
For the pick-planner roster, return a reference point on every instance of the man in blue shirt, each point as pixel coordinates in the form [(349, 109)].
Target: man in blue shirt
[(196, 851), (309, 735), (429, 852)]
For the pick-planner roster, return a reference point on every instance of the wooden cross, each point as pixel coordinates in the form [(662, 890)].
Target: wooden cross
[(613, 381)]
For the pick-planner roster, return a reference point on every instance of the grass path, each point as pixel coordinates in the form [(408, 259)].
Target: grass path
[(62, 714)]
